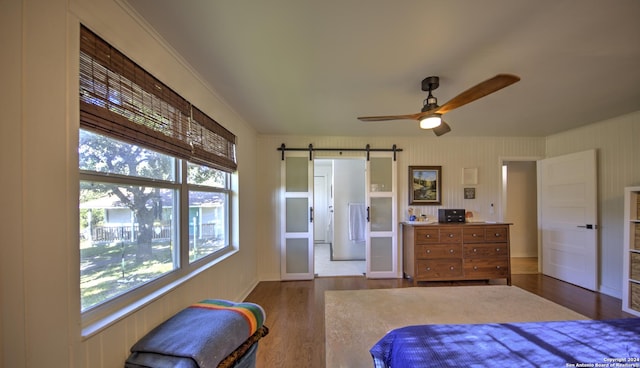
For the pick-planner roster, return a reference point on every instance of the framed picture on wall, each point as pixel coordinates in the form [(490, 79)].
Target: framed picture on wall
[(469, 193), (470, 176), (425, 185)]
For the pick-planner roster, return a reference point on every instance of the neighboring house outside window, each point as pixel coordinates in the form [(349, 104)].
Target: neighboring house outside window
[(155, 179)]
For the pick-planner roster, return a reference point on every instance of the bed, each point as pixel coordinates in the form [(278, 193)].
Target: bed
[(585, 343)]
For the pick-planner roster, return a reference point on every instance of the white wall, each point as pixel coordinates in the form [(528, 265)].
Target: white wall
[(323, 226), (12, 312), (618, 154), (453, 154), (39, 284), (349, 187)]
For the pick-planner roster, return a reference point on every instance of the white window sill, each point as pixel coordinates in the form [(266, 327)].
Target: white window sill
[(118, 314)]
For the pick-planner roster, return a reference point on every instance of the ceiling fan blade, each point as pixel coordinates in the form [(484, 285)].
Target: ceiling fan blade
[(441, 129), (389, 117), (480, 90)]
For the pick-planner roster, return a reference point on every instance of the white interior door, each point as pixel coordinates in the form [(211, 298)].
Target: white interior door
[(321, 209), (382, 217), (296, 253), (568, 218)]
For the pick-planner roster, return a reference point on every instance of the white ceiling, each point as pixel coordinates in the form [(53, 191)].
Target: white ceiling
[(307, 67)]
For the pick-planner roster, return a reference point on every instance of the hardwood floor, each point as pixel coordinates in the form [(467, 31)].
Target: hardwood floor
[(295, 312), (524, 265)]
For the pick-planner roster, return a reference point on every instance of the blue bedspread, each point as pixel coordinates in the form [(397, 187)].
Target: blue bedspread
[(613, 343)]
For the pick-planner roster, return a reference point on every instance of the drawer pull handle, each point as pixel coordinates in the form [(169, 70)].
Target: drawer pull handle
[(475, 250), (475, 268), (497, 249), (451, 235), (474, 235), (450, 250), (451, 268), (428, 250), (498, 267), (497, 235), (428, 235), (428, 268)]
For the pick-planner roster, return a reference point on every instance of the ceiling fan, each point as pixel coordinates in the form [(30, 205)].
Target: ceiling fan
[(430, 116)]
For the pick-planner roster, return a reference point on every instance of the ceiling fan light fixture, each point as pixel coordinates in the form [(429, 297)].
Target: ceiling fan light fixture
[(430, 115), (430, 121)]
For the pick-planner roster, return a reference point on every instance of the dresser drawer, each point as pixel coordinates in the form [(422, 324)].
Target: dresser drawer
[(486, 268), (485, 250), (426, 236), (496, 234), (450, 235), (473, 234), (429, 251), (442, 269)]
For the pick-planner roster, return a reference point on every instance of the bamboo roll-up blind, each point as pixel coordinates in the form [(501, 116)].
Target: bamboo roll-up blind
[(120, 99), (212, 143)]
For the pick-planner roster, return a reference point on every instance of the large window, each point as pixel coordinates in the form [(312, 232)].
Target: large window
[(155, 179), (131, 224)]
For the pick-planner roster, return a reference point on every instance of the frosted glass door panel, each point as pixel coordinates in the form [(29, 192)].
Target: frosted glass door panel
[(296, 203), (382, 254), (297, 219), (381, 214), (382, 244), (297, 174), (381, 174), (297, 256)]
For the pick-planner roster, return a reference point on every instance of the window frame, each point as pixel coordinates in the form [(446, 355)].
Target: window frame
[(104, 313)]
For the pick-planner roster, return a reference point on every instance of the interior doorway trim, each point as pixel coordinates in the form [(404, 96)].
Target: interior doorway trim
[(502, 202), (501, 189)]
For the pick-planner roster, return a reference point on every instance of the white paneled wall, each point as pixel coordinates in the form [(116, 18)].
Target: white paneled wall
[(618, 155), (617, 142), (453, 154), (39, 262)]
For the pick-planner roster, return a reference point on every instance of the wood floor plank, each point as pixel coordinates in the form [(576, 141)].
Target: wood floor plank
[(295, 312)]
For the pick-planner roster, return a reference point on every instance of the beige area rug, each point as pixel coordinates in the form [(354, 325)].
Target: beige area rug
[(356, 319)]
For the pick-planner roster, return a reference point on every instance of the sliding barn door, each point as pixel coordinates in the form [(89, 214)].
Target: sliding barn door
[(382, 216), (296, 253)]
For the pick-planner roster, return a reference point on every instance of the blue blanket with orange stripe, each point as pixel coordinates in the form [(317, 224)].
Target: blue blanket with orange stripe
[(199, 336)]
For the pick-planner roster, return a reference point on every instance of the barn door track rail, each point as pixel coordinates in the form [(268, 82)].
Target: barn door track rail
[(367, 149)]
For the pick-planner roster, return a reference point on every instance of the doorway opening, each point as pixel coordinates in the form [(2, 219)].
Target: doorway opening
[(339, 225), (520, 207)]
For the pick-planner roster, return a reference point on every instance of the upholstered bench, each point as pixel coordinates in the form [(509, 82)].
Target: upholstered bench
[(213, 333)]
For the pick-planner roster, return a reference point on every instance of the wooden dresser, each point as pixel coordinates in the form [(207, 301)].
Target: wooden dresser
[(448, 252)]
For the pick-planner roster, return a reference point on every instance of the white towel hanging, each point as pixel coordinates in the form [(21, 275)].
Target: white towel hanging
[(357, 221)]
